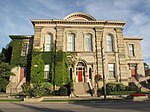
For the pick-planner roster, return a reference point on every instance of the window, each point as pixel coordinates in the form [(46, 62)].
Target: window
[(131, 50), (24, 51), (111, 68), (46, 72), (70, 42), (109, 41), (88, 42), (48, 42), (71, 73), (90, 73)]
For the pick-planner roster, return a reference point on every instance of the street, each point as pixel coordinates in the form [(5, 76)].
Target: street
[(110, 106)]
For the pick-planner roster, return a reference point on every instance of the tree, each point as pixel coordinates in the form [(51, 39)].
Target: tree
[(146, 66), (37, 69), (5, 69), (5, 73)]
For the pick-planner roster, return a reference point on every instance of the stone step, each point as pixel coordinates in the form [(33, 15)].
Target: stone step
[(81, 89), (137, 83)]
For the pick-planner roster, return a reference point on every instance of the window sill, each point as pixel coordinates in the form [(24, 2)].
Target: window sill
[(111, 78), (112, 52), (132, 57), (81, 51)]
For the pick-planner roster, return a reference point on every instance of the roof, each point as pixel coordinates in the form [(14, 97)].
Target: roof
[(77, 18), (133, 38), (20, 36)]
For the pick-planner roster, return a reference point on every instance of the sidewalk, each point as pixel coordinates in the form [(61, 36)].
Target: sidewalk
[(79, 99), (109, 98)]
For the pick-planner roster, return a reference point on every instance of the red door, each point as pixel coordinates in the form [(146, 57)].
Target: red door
[(21, 74), (133, 71), (80, 76)]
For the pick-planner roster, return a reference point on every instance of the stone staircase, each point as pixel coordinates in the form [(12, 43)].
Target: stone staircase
[(143, 78), (139, 85), (14, 87), (4, 96), (81, 89), (11, 88)]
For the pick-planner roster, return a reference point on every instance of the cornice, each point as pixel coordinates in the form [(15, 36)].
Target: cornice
[(51, 21), (133, 38)]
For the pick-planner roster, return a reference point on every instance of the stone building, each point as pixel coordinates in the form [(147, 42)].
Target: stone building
[(100, 46)]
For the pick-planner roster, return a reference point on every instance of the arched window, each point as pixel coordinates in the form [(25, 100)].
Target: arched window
[(71, 42), (88, 42), (48, 42), (109, 42)]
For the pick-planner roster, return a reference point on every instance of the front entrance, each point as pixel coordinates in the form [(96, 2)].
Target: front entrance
[(80, 72), (133, 71), (133, 68), (21, 74)]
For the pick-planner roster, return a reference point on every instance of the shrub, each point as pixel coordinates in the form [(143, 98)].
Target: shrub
[(115, 87), (120, 87), (47, 85), (63, 91), (71, 84), (108, 90), (111, 86), (70, 87), (36, 90), (41, 89), (101, 91), (122, 92), (3, 84), (131, 87), (26, 89)]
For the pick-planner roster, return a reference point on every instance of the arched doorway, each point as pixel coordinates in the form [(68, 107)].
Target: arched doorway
[(80, 72), (133, 69)]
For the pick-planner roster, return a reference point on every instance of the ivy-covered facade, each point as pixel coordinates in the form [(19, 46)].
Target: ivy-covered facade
[(34, 61), (78, 48)]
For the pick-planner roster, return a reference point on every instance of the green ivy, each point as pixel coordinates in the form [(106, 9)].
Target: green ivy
[(59, 66), (16, 58), (37, 69)]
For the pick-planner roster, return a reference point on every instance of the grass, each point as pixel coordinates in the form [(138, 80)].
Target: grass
[(10, 100)]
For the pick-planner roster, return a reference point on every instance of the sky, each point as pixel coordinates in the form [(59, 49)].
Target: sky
[(15, 16)]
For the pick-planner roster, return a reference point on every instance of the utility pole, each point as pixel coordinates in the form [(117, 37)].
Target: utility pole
[(55, 46), (96, 82), (103, 59)]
